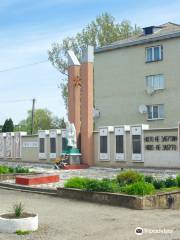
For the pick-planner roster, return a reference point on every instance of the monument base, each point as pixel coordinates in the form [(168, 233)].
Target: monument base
[(75, 167), (70, 151), (74, 159), (73, 156)]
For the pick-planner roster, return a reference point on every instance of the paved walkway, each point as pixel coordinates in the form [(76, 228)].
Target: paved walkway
[(61, 219)]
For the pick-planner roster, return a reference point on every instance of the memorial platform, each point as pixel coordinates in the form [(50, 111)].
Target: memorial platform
[(37, 179), (76, 166)]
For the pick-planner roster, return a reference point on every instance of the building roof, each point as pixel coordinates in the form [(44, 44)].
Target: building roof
[(164, 31)]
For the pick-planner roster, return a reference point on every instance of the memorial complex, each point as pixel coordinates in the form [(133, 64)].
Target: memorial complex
[(123, 101)]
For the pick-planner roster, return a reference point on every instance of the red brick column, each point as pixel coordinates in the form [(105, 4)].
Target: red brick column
[(74, 92), (86, 75)]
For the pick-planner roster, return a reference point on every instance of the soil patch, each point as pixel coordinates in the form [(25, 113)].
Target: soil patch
[(12, 216)]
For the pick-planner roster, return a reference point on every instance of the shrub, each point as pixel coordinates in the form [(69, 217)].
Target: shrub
[(170, 182), (76, 182), (11, 170), (129, 177), (178, 180), (158, 184), (148, 179), (95, 185), (20, 232), (104, 185), (4, 170), (18, 209), (139, 188), (21, 170)]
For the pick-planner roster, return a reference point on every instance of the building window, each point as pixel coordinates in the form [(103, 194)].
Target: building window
[(41, 144), (64, 144), (155, 82), (52, 145), (136, 144), (154, 53), (119, 144), (103, 144), (155, 112)]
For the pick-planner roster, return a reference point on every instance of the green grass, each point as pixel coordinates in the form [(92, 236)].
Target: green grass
[(139, 188), (109, 185), (104, 185), (18, 209), (130, 182), (20, 232), (18, 169)]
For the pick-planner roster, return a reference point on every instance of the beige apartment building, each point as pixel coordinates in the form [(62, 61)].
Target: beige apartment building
[(137, 80)]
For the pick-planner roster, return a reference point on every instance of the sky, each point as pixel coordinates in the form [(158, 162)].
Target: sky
[(29, 27)]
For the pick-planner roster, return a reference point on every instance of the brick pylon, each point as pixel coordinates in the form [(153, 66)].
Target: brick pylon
[(86, 75), (80, 100), (74, 86)]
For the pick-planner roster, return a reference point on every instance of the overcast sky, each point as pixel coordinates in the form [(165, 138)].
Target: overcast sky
[(29, 27)]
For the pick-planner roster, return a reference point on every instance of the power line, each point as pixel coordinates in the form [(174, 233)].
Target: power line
[(27, 99), (28, 65), (23, 66), (16, 100)]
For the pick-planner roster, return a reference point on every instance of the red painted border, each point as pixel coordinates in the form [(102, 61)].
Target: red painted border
[(34, 180), (73, 167)]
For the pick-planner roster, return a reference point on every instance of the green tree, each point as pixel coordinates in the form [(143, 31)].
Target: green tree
[(102, 31), (43, 120), (8, 126), (58, 123)]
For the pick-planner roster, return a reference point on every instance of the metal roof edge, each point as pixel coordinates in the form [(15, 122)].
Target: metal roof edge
[(136, 42)]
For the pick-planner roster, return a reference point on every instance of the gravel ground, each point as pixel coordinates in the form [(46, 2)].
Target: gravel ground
[(74, 220)]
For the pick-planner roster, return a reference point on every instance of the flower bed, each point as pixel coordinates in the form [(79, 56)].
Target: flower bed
[(18, 220), (128, 182), (18, 169)]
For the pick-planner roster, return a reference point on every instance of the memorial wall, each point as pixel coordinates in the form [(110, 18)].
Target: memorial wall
[(136, 146), (114, 146)]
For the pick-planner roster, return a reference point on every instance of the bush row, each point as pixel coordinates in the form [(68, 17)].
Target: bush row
[(104, 185), (167, 183), (129, 182), (18, 169), (109, 185), (131, 176)]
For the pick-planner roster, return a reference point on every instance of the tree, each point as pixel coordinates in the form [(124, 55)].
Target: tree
[(8, 126), (102, 31), (58, 123), (43, 120)]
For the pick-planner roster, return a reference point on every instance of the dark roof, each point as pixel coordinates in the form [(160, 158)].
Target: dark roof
[(166, 31)]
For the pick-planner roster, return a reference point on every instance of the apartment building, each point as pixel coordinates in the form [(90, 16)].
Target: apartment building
[(137, 80)]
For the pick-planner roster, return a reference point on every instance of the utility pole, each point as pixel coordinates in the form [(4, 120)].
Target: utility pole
[(33, 109)]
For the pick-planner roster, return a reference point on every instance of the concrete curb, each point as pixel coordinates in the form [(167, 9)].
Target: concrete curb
[(164, 200), (21, 188), (115, 199)]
